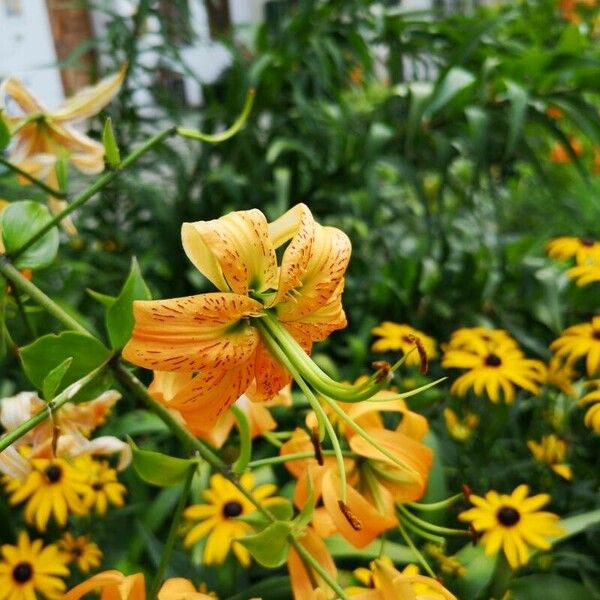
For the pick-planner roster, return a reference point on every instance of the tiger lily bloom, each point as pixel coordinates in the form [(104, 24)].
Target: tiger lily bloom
[(165, 385), (384, 582), (375, 482), (113, 585), (41, 136)]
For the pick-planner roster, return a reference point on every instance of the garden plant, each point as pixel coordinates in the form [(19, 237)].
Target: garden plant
[(335, 333)]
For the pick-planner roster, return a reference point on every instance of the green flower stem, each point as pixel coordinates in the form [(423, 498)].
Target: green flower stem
[(436, 529), (67, 394), (415, 550), (216, 138), (277, 460), (33, 180), (100, 183), (433, 506), (172, 535), (241, 464), (309, 560), (14, 276), (314, 403)]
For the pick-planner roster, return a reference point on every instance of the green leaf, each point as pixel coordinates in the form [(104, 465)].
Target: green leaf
[(455, 81), (479, 571), (61, 168), (273, 588), (4, 133), (54, 378), (577, 524), (550, 586), (119, 317), (305, 515), (160, 469), (113, 156), (48, 352), (19, 221), (269, 547), (518, 98), (104, 299), (340, 548), (282, 511)]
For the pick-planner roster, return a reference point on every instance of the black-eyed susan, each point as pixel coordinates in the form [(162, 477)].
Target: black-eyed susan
[(578, 341), (552, 451), (561, 374), (399, 337), (512, 522), (218, 517), (478, 339), (586, 272), (102, 480), (53, 487), (495, 367), (29, 567), (80, 550), (591, 400), (382, 581), (580, 248), (460, 428)]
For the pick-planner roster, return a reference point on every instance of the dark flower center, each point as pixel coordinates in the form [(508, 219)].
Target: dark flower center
[(23, 572), (53, 473), (587, 241), (493, 360), (508, 516), (232, 509), (596, 334), (97, 486)]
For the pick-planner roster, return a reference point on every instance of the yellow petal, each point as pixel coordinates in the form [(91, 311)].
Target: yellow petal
[(234, 252), (90, 100), (21, 95)]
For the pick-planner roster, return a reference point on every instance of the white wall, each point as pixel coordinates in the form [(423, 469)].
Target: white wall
[(27, 49)]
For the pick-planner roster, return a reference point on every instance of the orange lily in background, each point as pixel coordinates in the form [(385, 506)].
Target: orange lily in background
[(40, 136), (375, 482), (384, 582), (216, 337), (113, 585), (166, 385), (307, 583), (560, 155)]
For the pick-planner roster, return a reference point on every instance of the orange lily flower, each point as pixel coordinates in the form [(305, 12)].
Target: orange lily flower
[(116, 586), (375, 482), (385, 582), (559, 154), (166, 385), (305, 583), (41, 136), (219, 336)]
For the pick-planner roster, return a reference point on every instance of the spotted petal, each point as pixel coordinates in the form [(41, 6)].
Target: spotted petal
[(234, 252), (193, 333)]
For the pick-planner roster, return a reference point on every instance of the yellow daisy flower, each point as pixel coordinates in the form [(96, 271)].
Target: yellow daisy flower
[(460, 429), (552, 451), (28, 568), (218, 517), (578, 341), (592, 398), (479, 338), (80, 550), (102, 480), (382, 581), (53, 487), (398, 337), (579, 248), (512, 522), (585, 273), (560, 374), (494, 366)]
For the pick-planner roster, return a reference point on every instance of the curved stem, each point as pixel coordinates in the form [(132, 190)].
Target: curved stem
[(277, 460), (172, 535), (40, 184), (241, 464)]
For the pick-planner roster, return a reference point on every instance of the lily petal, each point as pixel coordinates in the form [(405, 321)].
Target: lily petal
[(193, 333)]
